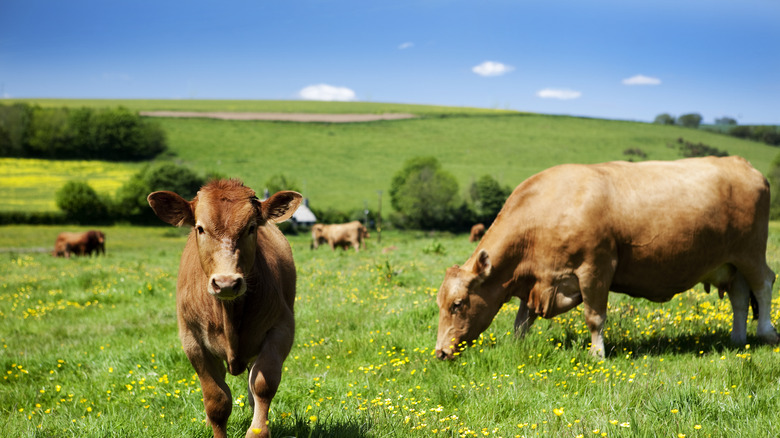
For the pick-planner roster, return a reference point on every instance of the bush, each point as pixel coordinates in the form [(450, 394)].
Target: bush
[(664, 119), (130, 200), (425, 195), (692, 120), (79, 201), (487, 197), (688, 149)]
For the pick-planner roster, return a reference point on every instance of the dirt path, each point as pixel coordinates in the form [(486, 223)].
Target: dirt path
[(286, 117)]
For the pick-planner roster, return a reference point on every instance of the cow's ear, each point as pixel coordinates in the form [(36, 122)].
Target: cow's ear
[(172, 208), (482, 266), (280, 206)]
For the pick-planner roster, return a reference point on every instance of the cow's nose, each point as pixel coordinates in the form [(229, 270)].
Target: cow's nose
[(444, 354), (227, 285)]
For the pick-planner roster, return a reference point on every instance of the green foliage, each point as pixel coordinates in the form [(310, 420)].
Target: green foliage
[(774, 188), (130, 200), (79, 201), (424, 194), (14, 128), (280, 182), (726, 121), (689, 149), (692, 120), (83, 133), (487, 197), (664, 119)]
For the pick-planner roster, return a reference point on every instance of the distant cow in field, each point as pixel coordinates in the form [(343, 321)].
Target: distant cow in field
[(572, 233), (80, 243), (344, 235), (477, 231), (235, 292)]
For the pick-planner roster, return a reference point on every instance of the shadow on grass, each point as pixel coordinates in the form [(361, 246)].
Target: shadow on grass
[(685, 344), (299, 427)]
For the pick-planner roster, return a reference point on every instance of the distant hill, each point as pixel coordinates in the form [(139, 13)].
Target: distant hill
[(344, 165)]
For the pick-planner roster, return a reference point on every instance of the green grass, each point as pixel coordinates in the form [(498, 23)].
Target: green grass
[(343, 166), (89, 349)]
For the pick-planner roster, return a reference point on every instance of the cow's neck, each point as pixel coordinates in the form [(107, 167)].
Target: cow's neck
[(505, 278)]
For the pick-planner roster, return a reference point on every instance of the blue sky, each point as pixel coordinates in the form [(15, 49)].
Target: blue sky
[(616, 59)]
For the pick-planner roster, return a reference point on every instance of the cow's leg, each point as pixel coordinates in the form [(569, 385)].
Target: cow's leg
[(216, 394), (594, 287), (761, 286), (524, 319), (739, 295), (265, 376)]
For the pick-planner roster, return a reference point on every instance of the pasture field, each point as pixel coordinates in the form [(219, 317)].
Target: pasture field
[(89, 349)]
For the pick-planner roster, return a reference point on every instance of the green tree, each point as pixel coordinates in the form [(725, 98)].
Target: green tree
[(692, 120), (130, 200), (81, 203), (425, 195), (487, 197), (664, 119), (726, 121)]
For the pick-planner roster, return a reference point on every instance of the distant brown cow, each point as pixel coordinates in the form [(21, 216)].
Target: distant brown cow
[(235, 292), (572, 233), (477, 231), (344, 235), (80, 243)]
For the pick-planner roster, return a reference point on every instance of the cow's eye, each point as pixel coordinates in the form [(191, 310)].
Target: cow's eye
[(200, 230), (457, 305)]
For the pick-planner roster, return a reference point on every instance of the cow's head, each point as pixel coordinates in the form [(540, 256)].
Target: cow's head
[(225, 216), (464, 310)]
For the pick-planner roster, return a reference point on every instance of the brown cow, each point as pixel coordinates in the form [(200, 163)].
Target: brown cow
[(344, 235), (80, 243), (572, 233), (477, 231), (235, 292)]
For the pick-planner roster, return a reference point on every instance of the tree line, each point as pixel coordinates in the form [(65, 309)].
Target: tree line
[(726, 125), (84, 133)]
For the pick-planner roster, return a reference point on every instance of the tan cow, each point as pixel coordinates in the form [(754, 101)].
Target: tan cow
[(80, 243), (235, 292), (477, 231), (572, 233), (344, 235)]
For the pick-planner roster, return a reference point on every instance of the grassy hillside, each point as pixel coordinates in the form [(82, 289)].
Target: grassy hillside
[(344, 165)]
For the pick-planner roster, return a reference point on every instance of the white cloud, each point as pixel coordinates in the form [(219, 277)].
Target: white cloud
[(641, 80), (551, 93), (326, 92), (406, 45), (490, 68)]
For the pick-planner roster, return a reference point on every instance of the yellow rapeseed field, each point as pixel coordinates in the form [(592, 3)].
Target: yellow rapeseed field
[(30, 184)]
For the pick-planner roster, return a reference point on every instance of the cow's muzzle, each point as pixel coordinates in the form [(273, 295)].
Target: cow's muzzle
[(227, 286), (445, 353)]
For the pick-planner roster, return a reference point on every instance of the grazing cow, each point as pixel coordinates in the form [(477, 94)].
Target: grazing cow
[(344, 235), (477, 231), (80, 243), (572, 233), (235, 292)]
